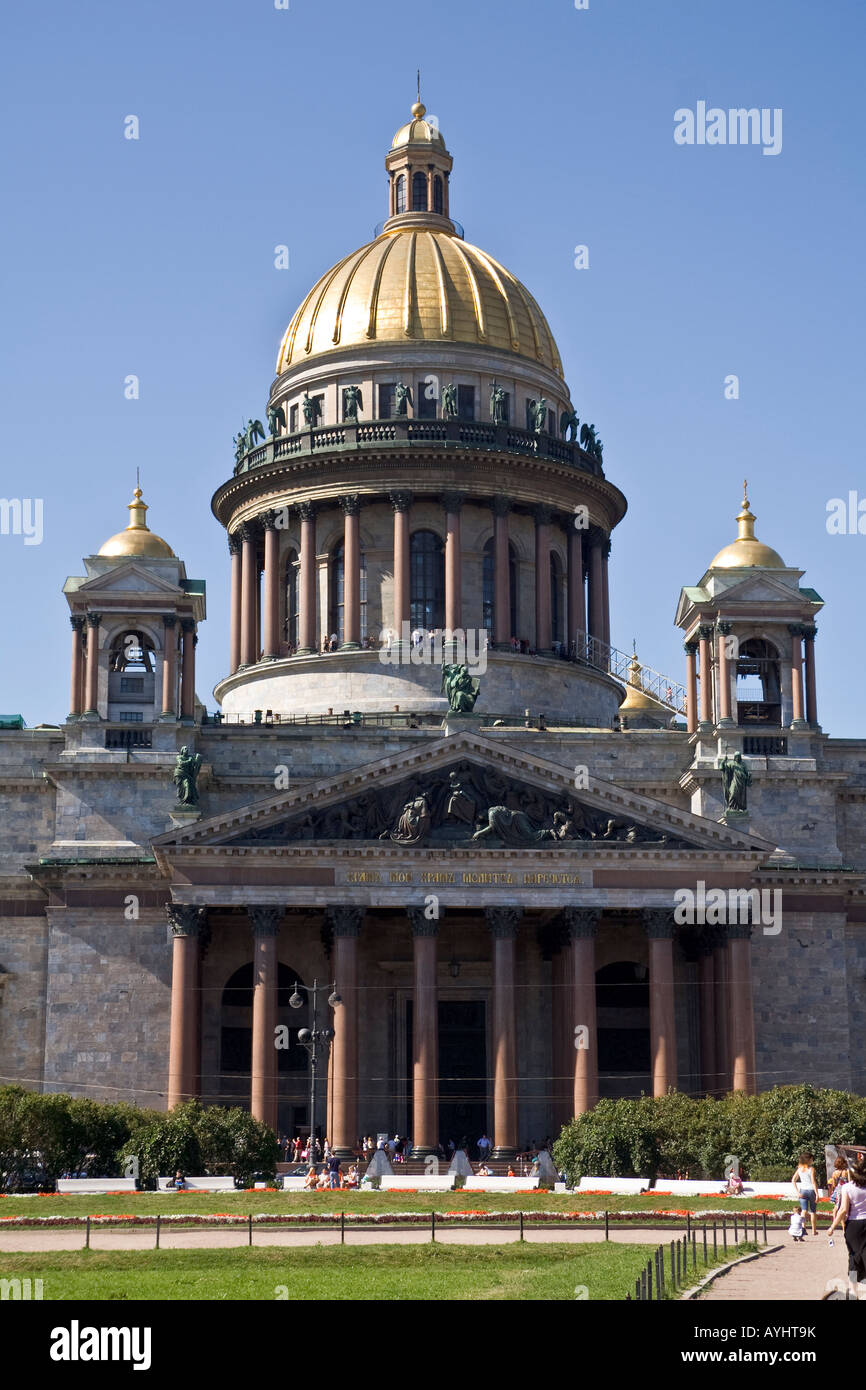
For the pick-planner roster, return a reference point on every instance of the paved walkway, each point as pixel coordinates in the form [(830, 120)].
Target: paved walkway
[(793, 1274)]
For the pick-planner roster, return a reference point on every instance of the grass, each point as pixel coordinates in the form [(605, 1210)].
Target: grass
[(199, 1203), (392, 1272)]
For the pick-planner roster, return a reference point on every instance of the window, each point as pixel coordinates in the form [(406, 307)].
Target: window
[(426, 399), (419, 192), (488, 586), (293, 419), (437, 195), (132, 685), (386, 400), (131, 716), (466, 402), (400, 197), (291, 626), (427, 581), (337, 586)]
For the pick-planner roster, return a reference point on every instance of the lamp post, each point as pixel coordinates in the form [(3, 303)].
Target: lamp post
[(315, 1040)]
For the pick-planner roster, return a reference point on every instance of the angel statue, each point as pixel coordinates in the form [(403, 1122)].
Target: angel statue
[(240, 447), (537, 411), (449, 401), (254, 430), (569, 425), (460, 688), (186, 770), (352, 402), (590, 441), (276, 419), (311, 407), (402, 398)]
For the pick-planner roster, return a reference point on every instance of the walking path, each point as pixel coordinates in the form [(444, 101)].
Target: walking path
[(793, 1274)]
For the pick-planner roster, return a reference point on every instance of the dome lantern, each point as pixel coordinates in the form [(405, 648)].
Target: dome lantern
[(747, 552), (419, 169), (137, 539)]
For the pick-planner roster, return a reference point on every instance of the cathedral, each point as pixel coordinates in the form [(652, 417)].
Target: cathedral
[(433, 827)]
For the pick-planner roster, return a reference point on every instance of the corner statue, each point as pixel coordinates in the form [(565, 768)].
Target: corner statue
[(569, 425), (186, 770), (497, 403), (353, 401), (736, 779), (460, 688), (449, 401), (276, 419)]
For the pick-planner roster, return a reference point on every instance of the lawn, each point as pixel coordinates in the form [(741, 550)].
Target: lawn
[(392, 1272), (200, 1203)]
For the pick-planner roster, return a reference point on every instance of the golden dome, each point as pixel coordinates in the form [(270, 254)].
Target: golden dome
[(418, 131), (747, 552), (416, 284), (137, 539), (636, 697)]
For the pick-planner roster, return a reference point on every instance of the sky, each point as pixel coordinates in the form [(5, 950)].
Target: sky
[(261, 126)]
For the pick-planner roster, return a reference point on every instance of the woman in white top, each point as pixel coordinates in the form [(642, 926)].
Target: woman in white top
[(852, 1210), (807, 1189)]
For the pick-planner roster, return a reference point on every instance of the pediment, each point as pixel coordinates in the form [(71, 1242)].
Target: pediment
[(463, 791), (129, 579), (759, 589)]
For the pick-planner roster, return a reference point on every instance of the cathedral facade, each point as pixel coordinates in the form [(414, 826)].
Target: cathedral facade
[(515, 869)]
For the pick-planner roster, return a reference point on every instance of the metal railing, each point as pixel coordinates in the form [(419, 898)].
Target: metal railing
[(407, 431), (594, 652), (653, 1283)]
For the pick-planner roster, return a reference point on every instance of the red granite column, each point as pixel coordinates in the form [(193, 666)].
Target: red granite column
[(346, 923), (797, 720), (562, 1090), (351, 572), (401, 502), (249, 593), (691, 687), (705, 633), (605, 592), (504, 923), (741, 1008), (576, 604), (263, 1081), (453, 562), (91, 700), (724, 673), (169, 666), (307, 577), (76, 694), (235, 604), (663, 1042), (581, 923), (596, 586), (707, 1017), (810, 634), (720, 980), (543, 516), (502, 633), (187, 923), (271, 601), (188, 669), (425, 1036)]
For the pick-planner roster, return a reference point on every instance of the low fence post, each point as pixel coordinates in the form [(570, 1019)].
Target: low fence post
[(156, 1246), (250, 1228), (87, 1235), (725, 1234), (637, 1289), (694, 1249), (342, 1228), (649, 1280), (521, 1225), (764, 1222), (678, 1264), (705, 1243), (607, 1225), (673, 1270), (432, 1225), (735, 1228)]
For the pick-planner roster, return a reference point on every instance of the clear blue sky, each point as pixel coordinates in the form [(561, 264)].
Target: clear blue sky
[(261, 126)]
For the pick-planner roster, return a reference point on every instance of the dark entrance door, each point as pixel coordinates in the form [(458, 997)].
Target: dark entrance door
[(462, 1069)]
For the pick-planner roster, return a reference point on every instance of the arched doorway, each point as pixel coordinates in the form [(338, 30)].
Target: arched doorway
[(623, 1021)]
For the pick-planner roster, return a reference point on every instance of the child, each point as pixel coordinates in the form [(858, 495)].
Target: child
[(796, 1227)]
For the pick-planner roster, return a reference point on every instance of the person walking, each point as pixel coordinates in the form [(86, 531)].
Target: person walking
[(484, 1148), (852, 1211), (807, 1189)]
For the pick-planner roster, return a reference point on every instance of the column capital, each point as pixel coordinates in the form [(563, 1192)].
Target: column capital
[(453, 501), (796, 629), (543, 514), (581, 922), (234, 540), (186, 919), (268, 519), (595, 536), (658, 923), (504, 922), (421, 924), (724, 627), (351, 504), (690, 647), (400, 501), (249, 531), (500, 506), (345, 920), (705, 631), (306, 511), (265, 920), (810, 633), (76, 621), (169, 619), (187, 624), (94, 619)]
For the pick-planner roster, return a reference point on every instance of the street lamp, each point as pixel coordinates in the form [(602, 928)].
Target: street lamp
[(315, 1040)]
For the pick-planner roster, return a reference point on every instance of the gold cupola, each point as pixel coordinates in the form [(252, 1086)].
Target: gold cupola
[(747, 552), (137, 539), (636, 698)]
